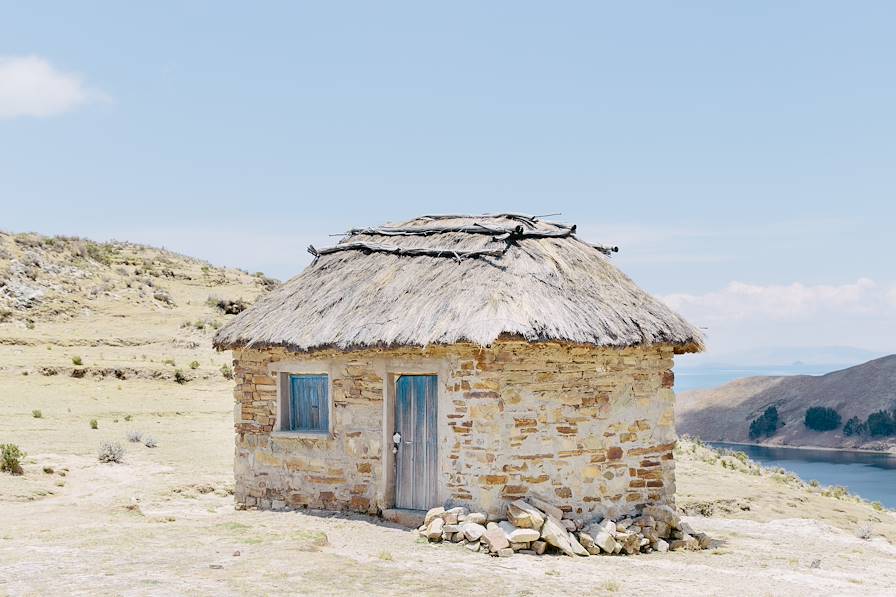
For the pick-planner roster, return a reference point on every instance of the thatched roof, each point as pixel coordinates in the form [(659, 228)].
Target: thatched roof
[(452, 279)]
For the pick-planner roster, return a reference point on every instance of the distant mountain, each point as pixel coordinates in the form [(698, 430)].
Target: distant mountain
[(783, 356), (725, 413)]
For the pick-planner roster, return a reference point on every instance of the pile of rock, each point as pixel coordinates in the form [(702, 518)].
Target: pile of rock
[(535, 527)]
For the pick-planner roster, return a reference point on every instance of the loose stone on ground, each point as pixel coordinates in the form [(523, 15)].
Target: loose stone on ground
[(532, 529)]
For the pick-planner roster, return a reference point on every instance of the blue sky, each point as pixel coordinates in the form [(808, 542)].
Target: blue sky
[(742, 155)]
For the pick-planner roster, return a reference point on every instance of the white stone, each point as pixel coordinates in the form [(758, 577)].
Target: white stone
[(556, 534), (661, 546), (576, 546), (524, 515), (495, 539), (517, 535), (663, 513), (434, 530), (605, 541), (547, 508), (476, 517), (472, 531), (432, 513)]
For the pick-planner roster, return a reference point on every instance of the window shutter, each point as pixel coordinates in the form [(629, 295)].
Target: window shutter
[(309, 403)]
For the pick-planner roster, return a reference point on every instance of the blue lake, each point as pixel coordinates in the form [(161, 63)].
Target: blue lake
[(870, 475)]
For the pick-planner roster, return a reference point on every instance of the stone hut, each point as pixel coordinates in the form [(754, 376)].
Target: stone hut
[(460, 360)]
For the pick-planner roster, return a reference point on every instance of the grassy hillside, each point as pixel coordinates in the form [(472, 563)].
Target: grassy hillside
[(725, 413), (75, 308)]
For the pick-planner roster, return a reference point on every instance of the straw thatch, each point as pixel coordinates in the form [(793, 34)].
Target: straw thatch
[(451, 279)]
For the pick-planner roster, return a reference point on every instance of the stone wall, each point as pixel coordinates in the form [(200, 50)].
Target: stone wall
[(586, 428)]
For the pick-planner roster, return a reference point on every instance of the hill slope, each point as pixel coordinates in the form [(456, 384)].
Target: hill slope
[(73, 307), (725, 413)]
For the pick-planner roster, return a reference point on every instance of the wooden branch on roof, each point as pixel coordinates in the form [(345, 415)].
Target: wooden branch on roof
[(606, 250), (409, 251), (528, 220), (517, 232), (390, 231)]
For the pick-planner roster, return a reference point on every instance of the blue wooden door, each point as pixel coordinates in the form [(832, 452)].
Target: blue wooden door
[(416, 463)]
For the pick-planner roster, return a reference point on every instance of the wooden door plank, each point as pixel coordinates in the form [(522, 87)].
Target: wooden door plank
[(431, 440), (416, 419)]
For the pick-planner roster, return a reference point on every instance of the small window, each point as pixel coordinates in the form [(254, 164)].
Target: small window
[(307, 406)]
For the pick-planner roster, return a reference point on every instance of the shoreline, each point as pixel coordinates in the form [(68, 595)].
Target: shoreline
[(825, 449)]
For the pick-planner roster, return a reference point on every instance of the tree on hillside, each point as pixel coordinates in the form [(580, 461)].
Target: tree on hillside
[(822, 418), (854, 426), (765, 424), (881, 423)]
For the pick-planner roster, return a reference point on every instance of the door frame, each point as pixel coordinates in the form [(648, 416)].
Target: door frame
[(391, 372)]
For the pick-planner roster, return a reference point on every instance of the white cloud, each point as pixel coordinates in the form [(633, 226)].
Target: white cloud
[(794, 302), (744, 316), (31, 86)]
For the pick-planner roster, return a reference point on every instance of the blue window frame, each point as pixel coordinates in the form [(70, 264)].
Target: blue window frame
[(309, 403)]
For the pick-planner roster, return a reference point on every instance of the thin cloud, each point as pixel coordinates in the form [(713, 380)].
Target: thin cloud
[(794, 302), (31, 86)]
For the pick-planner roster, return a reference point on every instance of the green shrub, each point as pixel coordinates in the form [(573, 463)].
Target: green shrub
[(10, 459), (77, 361), (179, 377), (37, 414), (821, 418), (226, 371), (128, 417), (836, 491), (194, 365), (168, 361), (94, 424), (765, 424)]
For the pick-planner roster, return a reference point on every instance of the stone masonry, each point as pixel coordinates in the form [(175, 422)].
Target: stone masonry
[(589, 429)]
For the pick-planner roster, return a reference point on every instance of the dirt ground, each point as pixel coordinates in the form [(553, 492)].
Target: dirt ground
[(163, 522)]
